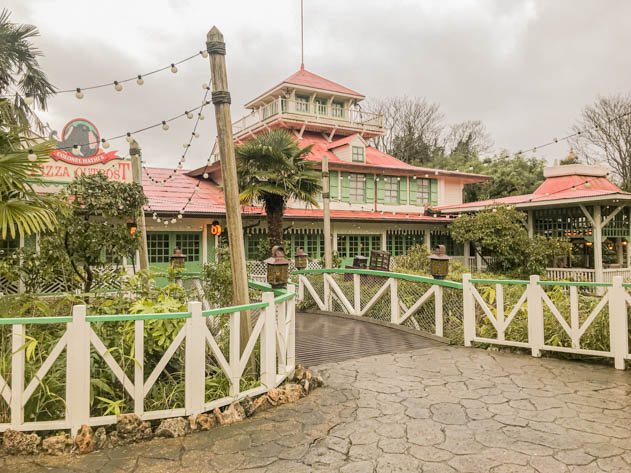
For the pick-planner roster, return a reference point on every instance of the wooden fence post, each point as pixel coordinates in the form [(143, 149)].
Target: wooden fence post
[(78, 370), (535, 316), (301, 287), (139, 367), (17, 374), (357, 297), (326, 293), (291, 336), (234, 359), (394, 301), (268, 342), (468, 305), (438, 310), (618, 323), (195, 361)]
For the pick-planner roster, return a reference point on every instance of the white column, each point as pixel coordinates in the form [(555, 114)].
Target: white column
[(268, 342), (598, 244), (619, 251), (205, 243), (384, 236), (531, 224), (535, 316), (428, 239), (194, 361), (467, 253), (78, 370), (618, 324)]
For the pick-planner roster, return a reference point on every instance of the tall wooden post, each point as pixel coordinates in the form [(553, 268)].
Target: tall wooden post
[(141, 227), (598, 244), (221, 99), (326, 196)]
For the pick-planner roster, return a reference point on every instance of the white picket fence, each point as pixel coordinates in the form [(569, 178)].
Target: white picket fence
[(387, 284), (533, 300), (274, 328)]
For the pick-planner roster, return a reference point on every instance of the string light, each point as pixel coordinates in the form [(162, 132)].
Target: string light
[(140, 80), (129, 139), (104, 143), (31, 156), (165, 125), (204, 54), (28, 100), (189, 115), (173, 68), (78, 93)]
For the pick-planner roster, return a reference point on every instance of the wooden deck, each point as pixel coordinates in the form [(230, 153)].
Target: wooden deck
[(327, 339)]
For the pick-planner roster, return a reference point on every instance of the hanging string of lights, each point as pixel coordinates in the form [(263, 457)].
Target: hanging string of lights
[(117, 84), (187, 146)]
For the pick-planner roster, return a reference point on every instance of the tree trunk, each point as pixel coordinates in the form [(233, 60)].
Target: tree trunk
[(275, 225)]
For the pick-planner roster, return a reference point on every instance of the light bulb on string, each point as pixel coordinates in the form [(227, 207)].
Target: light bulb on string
[(179, 166), (165, 125), (75, 149), (31, 156), (166, 222), (129, 139), (204, 54), (173, 68), (186, 145), (205, 175), (158, 219), (173, 220), (78, 93), (28, 100), (118, 86), (105, 143), (180, 215), (189, 115), (204, 86), (201, 117), (195, 134), (140, 80)]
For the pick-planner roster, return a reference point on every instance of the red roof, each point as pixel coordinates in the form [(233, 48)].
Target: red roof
[(553, 188), (342, 141)]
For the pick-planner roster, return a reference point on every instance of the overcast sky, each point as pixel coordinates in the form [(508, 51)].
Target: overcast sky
[(525, 68)]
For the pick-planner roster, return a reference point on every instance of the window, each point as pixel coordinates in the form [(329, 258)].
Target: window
[(349, 246), (399, 243), (8, 246), (341, 246), (315, 245), (320, 106), (190, 245), (452, 247), (391, 190), (302, 103), (356, 190), (358, 154), (158, 247), (337, 109), (252, 245), (423, 191)]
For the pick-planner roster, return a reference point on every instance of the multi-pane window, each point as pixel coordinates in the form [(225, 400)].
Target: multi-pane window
[(320, 106), (423, 191), (349, 246), (190, 244), (252, 246), (356, 187), (158, 247), (302, 103), (342, 251), (452, 247), (358, 154), (390, 190), (399, 243), (337, 109), (8, 246), (315, 245)]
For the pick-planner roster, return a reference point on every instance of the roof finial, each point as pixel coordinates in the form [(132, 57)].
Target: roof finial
[(302, 36)]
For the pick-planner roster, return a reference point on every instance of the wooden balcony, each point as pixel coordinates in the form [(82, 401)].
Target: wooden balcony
[(309, 116)]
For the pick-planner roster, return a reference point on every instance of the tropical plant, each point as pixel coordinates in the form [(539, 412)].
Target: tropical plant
[(273, 169), (21, 78)]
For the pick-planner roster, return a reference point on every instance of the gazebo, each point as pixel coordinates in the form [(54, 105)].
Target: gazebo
[(580, 203)]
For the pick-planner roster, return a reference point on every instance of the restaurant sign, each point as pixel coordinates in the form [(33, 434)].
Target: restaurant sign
[(79, 153)]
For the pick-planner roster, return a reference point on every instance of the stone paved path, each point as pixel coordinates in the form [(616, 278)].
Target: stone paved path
[(445, 409)]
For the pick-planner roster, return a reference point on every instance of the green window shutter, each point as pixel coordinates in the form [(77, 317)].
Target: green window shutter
[(403, 191), (413, 191), (380, 190), (369, 188), (346, 185), (334, 185), (434, 191)]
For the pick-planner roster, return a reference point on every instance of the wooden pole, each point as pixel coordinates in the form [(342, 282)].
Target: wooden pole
[(141, 227), (221, 99), (327, 212)]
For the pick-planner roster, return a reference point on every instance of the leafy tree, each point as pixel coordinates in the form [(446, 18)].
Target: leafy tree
[(22, 210), (273, 169), (94, 226), (501, 232), (20, 74)]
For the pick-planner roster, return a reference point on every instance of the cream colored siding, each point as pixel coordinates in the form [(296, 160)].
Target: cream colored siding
[(452, 192)]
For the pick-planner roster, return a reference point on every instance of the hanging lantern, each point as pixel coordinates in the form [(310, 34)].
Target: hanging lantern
[(277, 268), (300, 259), (588, 243), (178, 259), (624, 242), (439, 262)]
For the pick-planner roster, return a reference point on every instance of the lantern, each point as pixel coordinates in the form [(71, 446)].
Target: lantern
[(300, 259), (588, 243), (360, 261), (624, 243), (277, 268), (439, 262), (178, 259)]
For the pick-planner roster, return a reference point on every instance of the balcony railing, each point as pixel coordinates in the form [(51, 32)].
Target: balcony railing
[(314, 112)]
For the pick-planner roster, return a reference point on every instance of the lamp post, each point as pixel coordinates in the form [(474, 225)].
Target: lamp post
[(439, 262), (277, 268), (300, 259), (178, 259)]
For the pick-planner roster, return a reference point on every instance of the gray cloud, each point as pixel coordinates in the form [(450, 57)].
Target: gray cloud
[(525, 68)]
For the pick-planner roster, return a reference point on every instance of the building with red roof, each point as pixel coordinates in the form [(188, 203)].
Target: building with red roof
[(377, 201)]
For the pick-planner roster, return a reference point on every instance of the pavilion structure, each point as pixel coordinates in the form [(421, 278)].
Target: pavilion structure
[(580, 203)]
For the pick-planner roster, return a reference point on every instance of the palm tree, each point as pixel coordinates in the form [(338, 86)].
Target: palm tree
[(21, 75), (272, 169)]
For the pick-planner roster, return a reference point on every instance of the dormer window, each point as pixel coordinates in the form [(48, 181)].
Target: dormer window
[(337, 109), (302, 103), (320, 106), (359, 154)]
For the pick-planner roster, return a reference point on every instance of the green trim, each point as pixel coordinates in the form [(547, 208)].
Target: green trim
[(387, 274), (36, 320), (127, 317), (574, 283), (284, 297), (499, 281), (235, 308)]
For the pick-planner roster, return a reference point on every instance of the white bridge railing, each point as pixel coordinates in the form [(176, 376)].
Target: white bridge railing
[(534, 304), (273, 330)]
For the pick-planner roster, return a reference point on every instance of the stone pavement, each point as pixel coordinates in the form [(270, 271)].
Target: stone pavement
[(439, 409)]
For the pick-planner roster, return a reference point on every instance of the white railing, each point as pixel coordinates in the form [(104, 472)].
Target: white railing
[(587, 274), (274, 328), (257, 270), (310, 111), (533, 301), (385, 287)]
